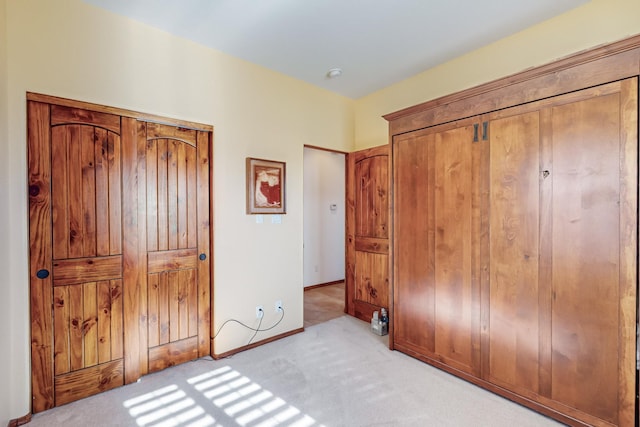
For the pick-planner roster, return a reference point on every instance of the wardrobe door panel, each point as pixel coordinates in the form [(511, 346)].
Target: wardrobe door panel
[(514, 211), (586, 254)]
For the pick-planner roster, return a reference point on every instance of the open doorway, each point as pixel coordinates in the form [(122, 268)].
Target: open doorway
[(324, 234)]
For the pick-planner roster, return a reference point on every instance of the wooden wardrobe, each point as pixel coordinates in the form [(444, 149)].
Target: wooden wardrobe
[(120, 246), (515, 233)]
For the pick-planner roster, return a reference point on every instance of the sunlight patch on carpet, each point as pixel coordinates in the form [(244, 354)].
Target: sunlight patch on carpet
[(247, 402)]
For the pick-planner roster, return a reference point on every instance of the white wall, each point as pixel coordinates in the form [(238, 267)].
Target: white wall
[(74, 50), (324, 239)]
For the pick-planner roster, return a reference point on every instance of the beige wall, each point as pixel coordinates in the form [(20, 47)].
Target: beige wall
[(595, 23), (74, 50), (6, 317)]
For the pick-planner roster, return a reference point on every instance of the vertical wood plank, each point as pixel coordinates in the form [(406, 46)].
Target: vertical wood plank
[(115, 193), (88, 143), (182, 196), (90, 324), (117, 327), (628, 247), (172, 192), (40, 255), (59, 188), (74, 162), (163, 307), (163, 220), (141, 173), (192, 302), (191, 197), (154, 325), (104, 321), (173, 283), (101, 167), (350, 233), (183, 303), (130, 247), (61, 330), (152, 195), (202, 165), (76, 317)]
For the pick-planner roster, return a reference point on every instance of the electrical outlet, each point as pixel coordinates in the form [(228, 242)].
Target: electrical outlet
[(259, 312), (278, 306)]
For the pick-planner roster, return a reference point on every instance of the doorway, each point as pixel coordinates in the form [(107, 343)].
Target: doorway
[(324, 234)]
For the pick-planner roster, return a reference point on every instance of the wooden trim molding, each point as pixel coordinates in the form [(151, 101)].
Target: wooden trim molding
[(602, 64), (315, 147), (48, 99), (255, 344), (20, 421)]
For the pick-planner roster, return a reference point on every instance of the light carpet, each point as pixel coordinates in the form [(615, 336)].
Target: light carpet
[(334, 374)]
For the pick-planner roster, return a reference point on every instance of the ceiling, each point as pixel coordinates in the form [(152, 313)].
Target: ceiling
[(376, 43)]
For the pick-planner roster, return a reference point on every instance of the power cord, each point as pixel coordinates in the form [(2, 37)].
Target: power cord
[(256, 330)]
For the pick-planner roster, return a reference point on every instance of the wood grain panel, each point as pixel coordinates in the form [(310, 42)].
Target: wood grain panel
[(115, 193), (204, 182), (79, 270), (191, 301), (157, 130), (74, 136), (117, 327), (172, 192), (372, 278), (153, 314), (163, 220), (453, 251), (371, 244), (163, 307), (152, 195), (173, 354), (101, 173), (61, 330), (172, 260), (514, 207), (87, 382), (191, 197), (141, 260), (67, 115), (372, 197), (59, 195), (103, 289), (76, 320), (182, 197), (586, 281), (183, 307), (89, 210), (90, 324), (414, 299), (173, 284)]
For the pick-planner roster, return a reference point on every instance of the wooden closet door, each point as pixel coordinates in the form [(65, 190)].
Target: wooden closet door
[(563, 252), (177, 206), (367, 252), (438, 244), (76, 253)]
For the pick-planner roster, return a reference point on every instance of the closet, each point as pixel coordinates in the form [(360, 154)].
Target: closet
[(515, 235), (119, 246)]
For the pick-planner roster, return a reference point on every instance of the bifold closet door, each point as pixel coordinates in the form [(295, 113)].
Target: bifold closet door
[(119, 249), (76, 253)]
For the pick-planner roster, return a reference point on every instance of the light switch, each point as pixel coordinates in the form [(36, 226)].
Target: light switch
[(276, 219), (259, 219)]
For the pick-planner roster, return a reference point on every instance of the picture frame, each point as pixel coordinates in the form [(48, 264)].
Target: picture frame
[(265, 186)]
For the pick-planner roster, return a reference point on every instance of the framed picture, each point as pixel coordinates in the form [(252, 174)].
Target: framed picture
[(265, 186)]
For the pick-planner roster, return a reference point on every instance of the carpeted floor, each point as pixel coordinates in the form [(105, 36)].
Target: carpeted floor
[(335, 373)]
